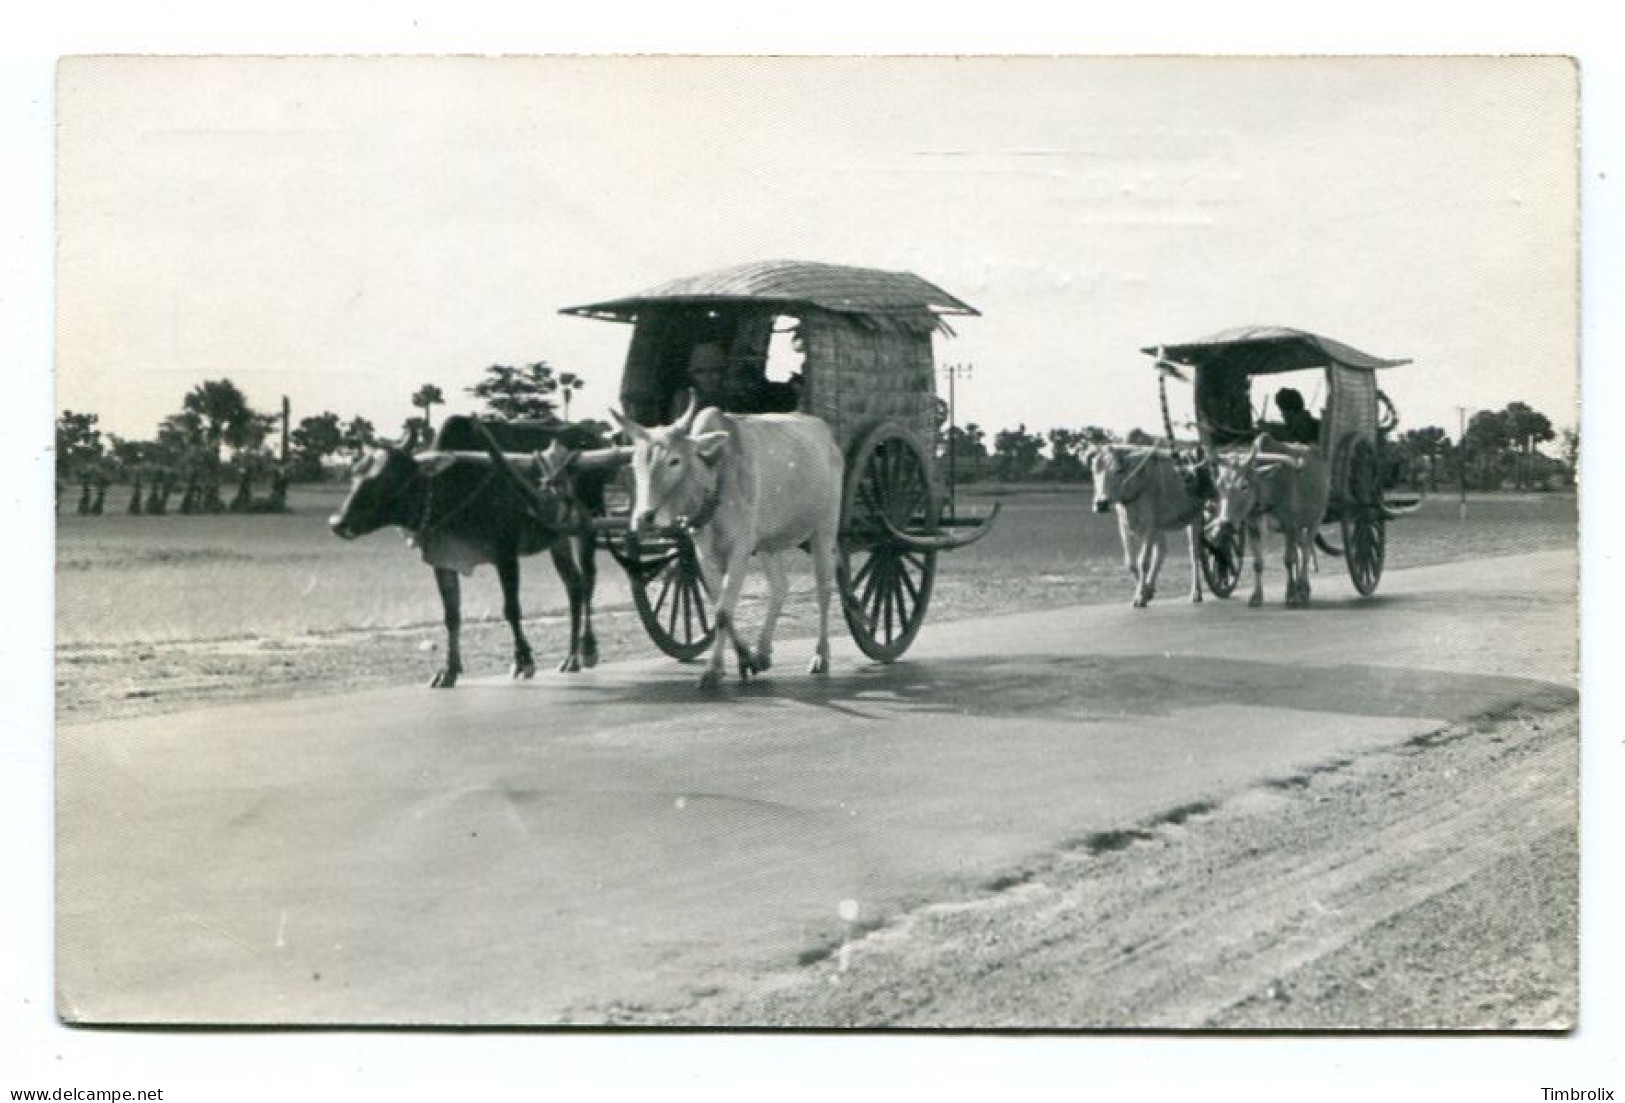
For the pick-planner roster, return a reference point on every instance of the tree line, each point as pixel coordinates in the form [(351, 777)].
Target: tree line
[(218, 441), (1499, 449)]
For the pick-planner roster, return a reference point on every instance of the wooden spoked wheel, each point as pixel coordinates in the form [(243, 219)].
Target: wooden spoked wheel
[(885, 586), (670, 594), (1221, 561), (1365, 536)]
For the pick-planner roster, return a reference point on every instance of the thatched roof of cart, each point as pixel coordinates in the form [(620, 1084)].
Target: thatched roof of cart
[(790, 284), (1263, 350)]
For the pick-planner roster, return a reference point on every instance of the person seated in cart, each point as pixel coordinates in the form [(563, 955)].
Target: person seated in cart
[(1298, 425), (707, 374), (748, 391)]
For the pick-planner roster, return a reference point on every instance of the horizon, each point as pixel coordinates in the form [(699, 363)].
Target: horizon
[(342, 231)]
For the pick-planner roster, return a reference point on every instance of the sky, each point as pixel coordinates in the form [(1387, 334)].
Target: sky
[(342, 231)]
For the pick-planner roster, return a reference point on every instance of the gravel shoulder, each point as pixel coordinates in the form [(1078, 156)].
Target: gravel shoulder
[(1430, 886)]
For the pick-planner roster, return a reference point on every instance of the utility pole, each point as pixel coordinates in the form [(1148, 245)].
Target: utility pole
[(1461, 456), (954, 372)]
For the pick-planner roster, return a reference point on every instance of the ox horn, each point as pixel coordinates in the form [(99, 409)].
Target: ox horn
[(634, 432), (940, 541), (686, 422)]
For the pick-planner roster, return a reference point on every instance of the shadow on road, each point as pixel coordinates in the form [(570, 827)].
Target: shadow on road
[(1097, 687)]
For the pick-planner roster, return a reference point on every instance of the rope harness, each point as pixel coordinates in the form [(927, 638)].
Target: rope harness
[(429, 523), (1140, 467)]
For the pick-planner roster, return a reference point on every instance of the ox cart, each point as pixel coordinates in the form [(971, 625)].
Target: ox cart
[(1349, 432), (852, 346)]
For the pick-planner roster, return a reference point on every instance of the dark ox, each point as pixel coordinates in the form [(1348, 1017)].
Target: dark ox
[(462, 512)]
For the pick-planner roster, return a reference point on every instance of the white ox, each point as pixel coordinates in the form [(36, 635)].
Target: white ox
[(1289, 483), (761, 484), (1151, 497)]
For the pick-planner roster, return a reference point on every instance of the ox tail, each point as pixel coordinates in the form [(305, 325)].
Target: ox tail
[(1334, 552)]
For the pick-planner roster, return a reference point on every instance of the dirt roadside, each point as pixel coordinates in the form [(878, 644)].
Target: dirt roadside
[(1432, 885), (109, 681)]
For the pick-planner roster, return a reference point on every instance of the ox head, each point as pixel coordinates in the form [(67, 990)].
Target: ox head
[(673, 468), (378, 486), (1241, 485), (1106, 471)]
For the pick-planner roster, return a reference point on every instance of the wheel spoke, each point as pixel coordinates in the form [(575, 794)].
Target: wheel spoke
[(915, 491), (875, 590), (666, 577), (890, 599), (705, 617), (865, 571), (908, 585), (671, 613), (877, 479)]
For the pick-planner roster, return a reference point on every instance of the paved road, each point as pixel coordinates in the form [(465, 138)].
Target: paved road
[(571, 849)]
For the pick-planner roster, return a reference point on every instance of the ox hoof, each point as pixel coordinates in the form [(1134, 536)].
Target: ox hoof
[(589, 654), (1255, 601), (819, 665), (1138, 602), (711, 681), (525, 669), (570, 665), (445, 679), (761, 662), (1196, 598)]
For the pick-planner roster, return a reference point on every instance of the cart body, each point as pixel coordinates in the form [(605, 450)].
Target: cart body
[(859, 342), (1350, 433)]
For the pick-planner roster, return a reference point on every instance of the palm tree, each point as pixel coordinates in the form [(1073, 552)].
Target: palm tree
[(426, 398), (223, 411), (569, 383), (225, 417)]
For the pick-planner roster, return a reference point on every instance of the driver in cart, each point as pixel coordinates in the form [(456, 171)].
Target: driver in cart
[(1298, 425)]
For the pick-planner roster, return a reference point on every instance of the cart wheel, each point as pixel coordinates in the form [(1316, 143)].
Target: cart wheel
[(1221, 561), (669, 592), (885, 588), (1365, 536)]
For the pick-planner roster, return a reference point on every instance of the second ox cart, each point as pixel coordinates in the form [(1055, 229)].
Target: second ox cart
[(852, 346), (1349, 433)]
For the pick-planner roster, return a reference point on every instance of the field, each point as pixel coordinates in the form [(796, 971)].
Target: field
[(156, 613)]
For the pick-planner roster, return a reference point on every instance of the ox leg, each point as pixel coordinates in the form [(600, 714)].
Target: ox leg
[(1142, 571), (1131, 551), (524, 663), (1193, 536), (1305, 558), (1158, 545), (1254, 535), (564, 562), (1295, 577), (733, 581), (451, 604), (823, 556), (589, 584), (778, 588)]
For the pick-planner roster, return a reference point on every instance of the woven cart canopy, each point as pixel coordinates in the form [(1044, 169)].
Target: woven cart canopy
[(1265, 350), (790, 284)]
